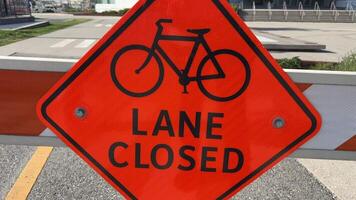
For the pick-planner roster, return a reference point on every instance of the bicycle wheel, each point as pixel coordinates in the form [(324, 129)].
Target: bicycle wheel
[(125, 64), (233, 84)]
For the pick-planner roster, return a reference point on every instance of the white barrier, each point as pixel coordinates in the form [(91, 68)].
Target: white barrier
[(332, 93)]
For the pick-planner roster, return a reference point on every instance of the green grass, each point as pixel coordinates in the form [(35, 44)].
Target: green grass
[(348, 63), (290, 63), (7, 37)]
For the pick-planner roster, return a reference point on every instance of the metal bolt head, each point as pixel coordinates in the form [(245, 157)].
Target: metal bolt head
[(80, 113), (278, 122)]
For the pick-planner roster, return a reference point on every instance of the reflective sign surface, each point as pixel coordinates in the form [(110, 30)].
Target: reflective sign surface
[(179, 100)]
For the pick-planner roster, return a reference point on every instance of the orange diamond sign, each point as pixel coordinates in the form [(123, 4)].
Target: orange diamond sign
[(179, 100)]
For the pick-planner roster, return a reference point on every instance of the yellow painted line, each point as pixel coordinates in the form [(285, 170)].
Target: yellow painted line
[(29, 174)]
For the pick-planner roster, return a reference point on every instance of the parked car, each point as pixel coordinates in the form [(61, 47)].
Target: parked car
[(49, 7)]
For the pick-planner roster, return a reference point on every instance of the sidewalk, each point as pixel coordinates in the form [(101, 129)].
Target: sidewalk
[(339, 38)]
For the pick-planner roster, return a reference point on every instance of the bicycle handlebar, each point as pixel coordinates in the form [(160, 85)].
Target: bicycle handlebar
[(164, 21)]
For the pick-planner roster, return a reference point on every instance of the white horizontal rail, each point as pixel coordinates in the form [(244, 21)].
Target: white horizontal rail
[(322, 77)]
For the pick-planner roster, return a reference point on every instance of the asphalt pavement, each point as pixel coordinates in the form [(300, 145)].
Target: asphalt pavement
[(12, 160), (66, 176)]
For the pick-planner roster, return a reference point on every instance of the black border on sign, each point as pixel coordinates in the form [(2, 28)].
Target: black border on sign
[(251, 45)]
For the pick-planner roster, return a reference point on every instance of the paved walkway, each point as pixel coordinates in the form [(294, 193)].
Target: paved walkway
[(339, 38)]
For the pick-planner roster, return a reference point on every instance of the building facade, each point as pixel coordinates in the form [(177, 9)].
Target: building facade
[(13, 8)]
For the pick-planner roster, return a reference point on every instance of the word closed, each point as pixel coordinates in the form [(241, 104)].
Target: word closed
[(187, 157)]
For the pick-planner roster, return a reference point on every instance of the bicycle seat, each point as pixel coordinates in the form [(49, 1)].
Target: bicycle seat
[(199, 31)]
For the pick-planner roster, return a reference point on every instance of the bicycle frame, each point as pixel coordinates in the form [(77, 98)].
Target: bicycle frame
[(198, 40), (157, 53)]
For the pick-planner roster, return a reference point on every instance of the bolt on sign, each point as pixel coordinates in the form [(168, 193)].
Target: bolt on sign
[(179, 100)]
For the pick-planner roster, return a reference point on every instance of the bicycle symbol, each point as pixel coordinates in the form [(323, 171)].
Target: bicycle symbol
[(184, 78)]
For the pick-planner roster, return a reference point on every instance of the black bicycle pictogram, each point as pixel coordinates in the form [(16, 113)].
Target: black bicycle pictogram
[(184, 78)]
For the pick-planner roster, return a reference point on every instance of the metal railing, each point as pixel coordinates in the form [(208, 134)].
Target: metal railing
[(334, 10), (301, 10), (254, 10), (299, 13), (350, 10), (285, 11), (269, 8), (241, 5), (317, 10)]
